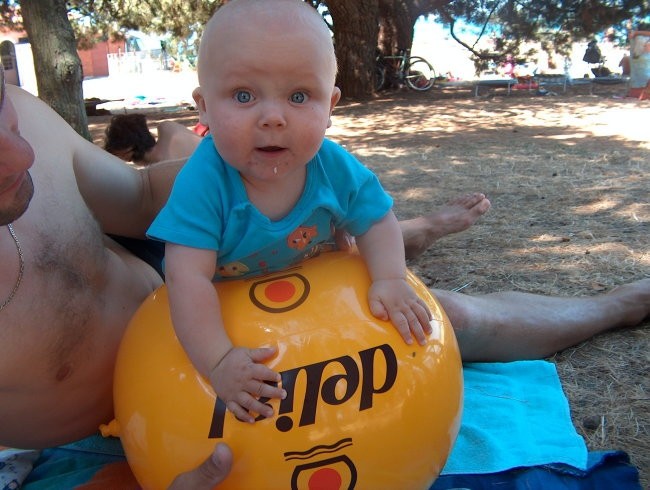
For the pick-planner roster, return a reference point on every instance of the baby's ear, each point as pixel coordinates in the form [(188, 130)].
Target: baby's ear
[(200, 104), (336, 96)]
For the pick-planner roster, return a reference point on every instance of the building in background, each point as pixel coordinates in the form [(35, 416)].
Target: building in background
[(138, 53)]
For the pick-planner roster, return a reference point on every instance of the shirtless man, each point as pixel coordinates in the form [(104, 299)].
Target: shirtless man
[(67, 291)]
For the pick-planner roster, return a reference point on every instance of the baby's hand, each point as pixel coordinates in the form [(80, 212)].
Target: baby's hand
[(240, 380), (395, 300)]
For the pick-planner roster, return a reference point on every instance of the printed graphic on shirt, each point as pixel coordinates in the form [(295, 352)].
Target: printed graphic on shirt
[(301, 237), (233, 269), (304, 242)]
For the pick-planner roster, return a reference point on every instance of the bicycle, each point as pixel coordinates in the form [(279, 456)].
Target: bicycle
[(414, 71)]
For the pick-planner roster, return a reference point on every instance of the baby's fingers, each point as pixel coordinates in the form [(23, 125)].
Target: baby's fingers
[(378, 309), (419, 322), (240, 412), (261, 390), (262, 354), (418, 331), (263, 381), (424, 316), (244, 405), (413, 322), (401, 324)]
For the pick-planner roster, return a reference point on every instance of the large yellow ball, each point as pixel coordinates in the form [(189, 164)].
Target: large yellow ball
[(364, 410)]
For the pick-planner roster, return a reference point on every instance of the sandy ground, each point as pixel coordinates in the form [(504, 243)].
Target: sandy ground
[(568, 177)]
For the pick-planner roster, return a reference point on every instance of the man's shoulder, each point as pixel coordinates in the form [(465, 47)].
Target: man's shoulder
[(22, 98), (40, 124)]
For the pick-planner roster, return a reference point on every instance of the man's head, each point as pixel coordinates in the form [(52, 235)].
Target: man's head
[(267, 71), (16, 157), (128, 137)]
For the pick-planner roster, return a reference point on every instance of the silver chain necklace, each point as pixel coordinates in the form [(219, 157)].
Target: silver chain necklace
[(21, 269)]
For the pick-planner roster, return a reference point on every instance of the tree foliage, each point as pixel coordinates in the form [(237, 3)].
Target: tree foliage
[(553, 23), (178, 19), (56, 62), (56, 29)]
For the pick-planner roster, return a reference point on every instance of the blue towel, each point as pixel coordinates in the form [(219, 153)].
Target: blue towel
[(515, 415)]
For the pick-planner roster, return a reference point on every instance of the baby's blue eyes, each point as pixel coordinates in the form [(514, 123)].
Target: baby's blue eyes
[(298, 97), (243, 96)]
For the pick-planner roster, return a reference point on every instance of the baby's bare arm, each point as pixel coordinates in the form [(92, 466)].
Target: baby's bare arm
[(235, 373), (194, 305), (390, 296)]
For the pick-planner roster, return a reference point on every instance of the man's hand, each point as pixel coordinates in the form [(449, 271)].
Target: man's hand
[(395, 300), (208, 474), (240, 380)]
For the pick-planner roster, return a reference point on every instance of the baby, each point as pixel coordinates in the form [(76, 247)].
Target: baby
[(265, 190)]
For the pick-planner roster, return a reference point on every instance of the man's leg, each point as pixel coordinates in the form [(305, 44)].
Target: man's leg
[(420, 233), (512, 326), (458, 215)]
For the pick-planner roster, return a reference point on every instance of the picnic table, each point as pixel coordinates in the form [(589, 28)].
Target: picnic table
[(492, 83), (546, 81)]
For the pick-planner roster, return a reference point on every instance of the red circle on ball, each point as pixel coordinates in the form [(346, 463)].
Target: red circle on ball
[(325, 479), (279, 291)]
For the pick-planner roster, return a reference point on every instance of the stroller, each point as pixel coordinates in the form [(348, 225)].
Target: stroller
[(593, 56)]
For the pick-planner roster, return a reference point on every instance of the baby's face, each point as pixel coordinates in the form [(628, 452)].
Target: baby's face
[(267, 92)]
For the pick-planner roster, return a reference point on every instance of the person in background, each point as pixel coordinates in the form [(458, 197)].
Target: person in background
[(624, 64), (508, 67), (128, 137)]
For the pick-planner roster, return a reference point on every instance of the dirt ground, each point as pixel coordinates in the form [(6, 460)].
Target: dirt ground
[(568, 177)]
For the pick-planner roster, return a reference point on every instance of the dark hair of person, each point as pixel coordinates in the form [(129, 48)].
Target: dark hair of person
[(129, 132)]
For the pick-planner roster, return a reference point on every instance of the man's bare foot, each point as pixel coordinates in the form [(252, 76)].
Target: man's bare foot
[(632, 301), (458, 215)]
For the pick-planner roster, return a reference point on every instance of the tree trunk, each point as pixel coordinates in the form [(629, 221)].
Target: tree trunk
[(396, 19), (58, 68), (356, 28)]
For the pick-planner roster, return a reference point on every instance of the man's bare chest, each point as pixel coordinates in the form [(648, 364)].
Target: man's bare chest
[(50, 317)]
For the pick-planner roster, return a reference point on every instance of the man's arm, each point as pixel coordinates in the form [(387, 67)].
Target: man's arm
[(124, 199)]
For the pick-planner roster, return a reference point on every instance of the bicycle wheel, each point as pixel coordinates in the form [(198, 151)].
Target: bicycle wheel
[(419, 74)]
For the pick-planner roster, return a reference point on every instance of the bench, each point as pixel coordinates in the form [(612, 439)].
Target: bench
[(582, 82), (551, 80), (564, 81), (608, 81), (506, 83)]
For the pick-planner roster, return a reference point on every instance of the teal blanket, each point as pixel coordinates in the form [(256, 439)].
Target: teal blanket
[(515, 415)]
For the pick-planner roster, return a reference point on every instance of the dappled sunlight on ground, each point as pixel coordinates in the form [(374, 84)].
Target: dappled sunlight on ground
[(567, 176), (554, 118)]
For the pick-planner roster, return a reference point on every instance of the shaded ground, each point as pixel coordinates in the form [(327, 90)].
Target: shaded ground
[(568, 177)]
